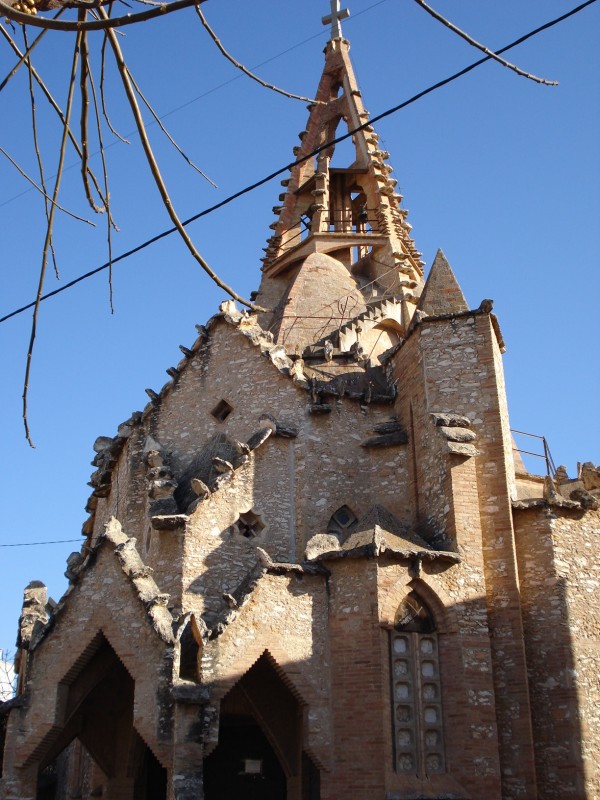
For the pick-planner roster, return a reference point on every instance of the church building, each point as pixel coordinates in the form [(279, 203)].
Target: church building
[(315, 567)]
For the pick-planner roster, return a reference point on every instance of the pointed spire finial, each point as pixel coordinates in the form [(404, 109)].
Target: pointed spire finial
[(337, 14)]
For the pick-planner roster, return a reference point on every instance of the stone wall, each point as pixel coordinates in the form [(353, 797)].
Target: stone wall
[(294, 484), (452, 366), (559, 571)]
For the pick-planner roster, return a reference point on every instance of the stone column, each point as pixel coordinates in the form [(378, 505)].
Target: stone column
[(188, 742)]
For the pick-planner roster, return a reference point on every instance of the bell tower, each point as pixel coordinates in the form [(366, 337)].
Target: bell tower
[(341, 241)]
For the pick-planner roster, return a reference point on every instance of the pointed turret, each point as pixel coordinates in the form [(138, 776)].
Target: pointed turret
[(350, 213), (442, 294)]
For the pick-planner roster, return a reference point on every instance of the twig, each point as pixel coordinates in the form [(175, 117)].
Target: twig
[(105, 23), (129, 91), (36, 144), (166, 132), (482, 47), (85, 105), (246, 71), (106, 192), (61, 160), (52, 102), (42, 192), (102, 98), (24, 57)]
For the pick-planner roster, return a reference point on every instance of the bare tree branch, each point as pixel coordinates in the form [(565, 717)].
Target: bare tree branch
[(102, 98), (130, 92), (52, 102), (246, 71), (166, 132), (7, 676), (24, 57), (106, 191), (85, 105), (42, 192), (36, 144), (95, 25), (482, 47), (61, 161)]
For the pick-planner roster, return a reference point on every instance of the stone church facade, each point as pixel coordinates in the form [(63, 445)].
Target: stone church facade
[(314, 566)]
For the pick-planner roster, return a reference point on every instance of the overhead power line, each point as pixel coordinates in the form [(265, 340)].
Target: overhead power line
[(35, 544), (208, 92), (251, 187)]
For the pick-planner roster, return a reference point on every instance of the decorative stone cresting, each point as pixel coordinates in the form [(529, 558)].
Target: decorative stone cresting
[(294, 368), (577, 494), (154, 601)]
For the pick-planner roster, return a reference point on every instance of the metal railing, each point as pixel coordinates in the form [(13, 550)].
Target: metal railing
[(546, 455)]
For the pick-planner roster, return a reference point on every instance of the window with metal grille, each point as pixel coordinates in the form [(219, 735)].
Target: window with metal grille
[(416, 690)]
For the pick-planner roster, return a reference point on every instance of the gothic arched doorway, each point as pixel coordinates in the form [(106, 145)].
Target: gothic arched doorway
[(98, 751), (244, 764), (259, 754)]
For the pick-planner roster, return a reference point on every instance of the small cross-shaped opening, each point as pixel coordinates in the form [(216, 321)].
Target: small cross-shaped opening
[(222, 410), (249, 525)]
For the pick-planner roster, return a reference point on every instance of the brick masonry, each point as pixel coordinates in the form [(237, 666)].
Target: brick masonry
[(193, 601)]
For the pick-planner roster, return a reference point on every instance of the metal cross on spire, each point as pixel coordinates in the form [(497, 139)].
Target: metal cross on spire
[(335, 17)]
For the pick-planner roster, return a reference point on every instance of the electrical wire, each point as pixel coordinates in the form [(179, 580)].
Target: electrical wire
[(35, 544), (287, 167), (229, 199), (208, 92)]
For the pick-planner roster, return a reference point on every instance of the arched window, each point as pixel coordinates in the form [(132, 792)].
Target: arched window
[(341, 521), (416, 690)]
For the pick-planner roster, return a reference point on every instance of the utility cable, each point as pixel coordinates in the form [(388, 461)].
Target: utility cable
[(35, 544), (208, 92), (287, 167)]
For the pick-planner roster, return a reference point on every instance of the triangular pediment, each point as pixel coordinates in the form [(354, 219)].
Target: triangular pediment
[(442, 294)]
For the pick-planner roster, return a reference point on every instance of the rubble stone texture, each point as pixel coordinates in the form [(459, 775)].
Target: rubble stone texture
[(313, 567)]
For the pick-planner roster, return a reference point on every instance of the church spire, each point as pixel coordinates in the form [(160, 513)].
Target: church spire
[(349, 212)]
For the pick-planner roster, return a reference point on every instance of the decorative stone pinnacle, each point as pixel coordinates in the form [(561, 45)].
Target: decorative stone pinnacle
[(337, 14)]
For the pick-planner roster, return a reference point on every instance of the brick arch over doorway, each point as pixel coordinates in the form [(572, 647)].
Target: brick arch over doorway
[(97, 724), (260, 751)]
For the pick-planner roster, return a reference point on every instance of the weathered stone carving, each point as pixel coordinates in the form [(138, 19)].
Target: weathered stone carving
[(259, 437), (455, 429), (34, 615), (554, 498), (221, 465), (319, 544), (74, 563), (279, 428), (585, 499), (161, 484), (450, 420), (199, 488), (461, 449), (458, 434), (590, 475), (390, 433)]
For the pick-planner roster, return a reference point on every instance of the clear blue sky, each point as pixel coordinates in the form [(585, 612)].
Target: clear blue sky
[(499, 172)]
